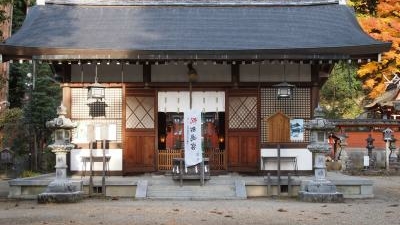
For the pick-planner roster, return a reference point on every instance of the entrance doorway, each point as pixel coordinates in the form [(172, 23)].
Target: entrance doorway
[(140, 142), (171, 107)]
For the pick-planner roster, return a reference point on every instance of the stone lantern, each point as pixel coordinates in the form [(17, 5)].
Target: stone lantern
[(61, 189), (387, 137), (319, 189)]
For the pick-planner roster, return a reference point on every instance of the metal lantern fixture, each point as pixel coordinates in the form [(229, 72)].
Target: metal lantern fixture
[(96, 91), (284, 89)]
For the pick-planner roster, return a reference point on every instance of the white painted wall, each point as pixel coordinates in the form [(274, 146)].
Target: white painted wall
[(178, 101), (274, 72), (115, 163), (304, 158)]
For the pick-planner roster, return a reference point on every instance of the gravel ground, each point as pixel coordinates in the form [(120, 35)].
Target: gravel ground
[(383, 209)]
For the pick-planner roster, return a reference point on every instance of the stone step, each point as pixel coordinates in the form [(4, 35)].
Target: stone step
[(167, 180), (192, 190)]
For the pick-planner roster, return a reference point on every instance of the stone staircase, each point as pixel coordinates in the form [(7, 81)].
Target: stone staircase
[(166, 188)]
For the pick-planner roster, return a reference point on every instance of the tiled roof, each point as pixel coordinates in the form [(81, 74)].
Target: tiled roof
[(315, 30)]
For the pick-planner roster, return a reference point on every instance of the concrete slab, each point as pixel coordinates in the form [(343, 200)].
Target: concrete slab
[(240, 188), (127, 186), (141, 189)]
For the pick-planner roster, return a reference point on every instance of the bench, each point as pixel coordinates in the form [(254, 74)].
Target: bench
[(292, 160), (86, 159), (179, 171)]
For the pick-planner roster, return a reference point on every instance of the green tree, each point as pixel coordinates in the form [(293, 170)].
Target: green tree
[(37, 105), (342, 95), (23, 125), (20, 8), (40, 108)]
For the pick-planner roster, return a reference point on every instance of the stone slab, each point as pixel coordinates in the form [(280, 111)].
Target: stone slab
[(240, 188), (321, 197), (141, 189), (60, 197)]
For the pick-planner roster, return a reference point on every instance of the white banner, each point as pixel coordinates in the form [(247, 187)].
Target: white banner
[(192, 130)]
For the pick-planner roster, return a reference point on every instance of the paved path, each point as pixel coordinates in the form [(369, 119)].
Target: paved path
[(383, 209)]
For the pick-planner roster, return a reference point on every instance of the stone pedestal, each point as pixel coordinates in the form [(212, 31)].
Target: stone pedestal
[(61, 189), (319, 189)]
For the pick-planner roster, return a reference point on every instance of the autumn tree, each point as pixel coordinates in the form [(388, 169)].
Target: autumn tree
[(382, 22)]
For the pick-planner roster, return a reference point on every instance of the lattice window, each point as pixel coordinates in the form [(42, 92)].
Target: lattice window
[(242, 112), (298, 107), (139, 112), (86, 113), (80, 106)]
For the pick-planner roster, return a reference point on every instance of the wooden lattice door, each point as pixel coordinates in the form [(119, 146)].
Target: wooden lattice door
[(243, 138), (140, 143)]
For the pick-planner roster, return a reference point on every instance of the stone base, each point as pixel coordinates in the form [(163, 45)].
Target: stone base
[(319, 191), (62, 191), (70, 197), (320, 197)]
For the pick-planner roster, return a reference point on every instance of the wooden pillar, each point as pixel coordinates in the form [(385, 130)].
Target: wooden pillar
[(235, 74), (146, 74), (315, 87), (66, 98)]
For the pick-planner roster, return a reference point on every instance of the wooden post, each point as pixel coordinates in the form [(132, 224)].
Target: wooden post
[(91, 138), (181, 174), (91, 168), (279, 169), (103, 179), (104, 133), (269, 184), (289, 184)]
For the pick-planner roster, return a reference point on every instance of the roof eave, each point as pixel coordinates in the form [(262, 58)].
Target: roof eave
[(371, 52)]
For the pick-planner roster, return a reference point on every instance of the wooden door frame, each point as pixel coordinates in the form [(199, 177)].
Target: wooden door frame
[(245, 93), (132, 91)]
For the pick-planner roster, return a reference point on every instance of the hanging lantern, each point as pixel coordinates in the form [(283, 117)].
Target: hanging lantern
[(284, 90), (96, 91)]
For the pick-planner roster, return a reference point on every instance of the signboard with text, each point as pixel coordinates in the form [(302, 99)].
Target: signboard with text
[(192, 131)]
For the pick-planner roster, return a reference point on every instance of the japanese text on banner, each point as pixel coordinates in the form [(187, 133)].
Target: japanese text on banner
[(192, 129)]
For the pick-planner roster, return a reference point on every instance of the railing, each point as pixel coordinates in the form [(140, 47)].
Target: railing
[(216, 158), (165, 158)]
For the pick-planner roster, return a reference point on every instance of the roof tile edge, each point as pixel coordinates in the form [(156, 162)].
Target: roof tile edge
[(192, 2)]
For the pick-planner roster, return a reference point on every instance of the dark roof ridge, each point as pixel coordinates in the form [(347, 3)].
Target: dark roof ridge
[(192, 2)]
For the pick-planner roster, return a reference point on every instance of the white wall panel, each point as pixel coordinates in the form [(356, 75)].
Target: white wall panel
[(115, 163), (208, 101), (303, 155)]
